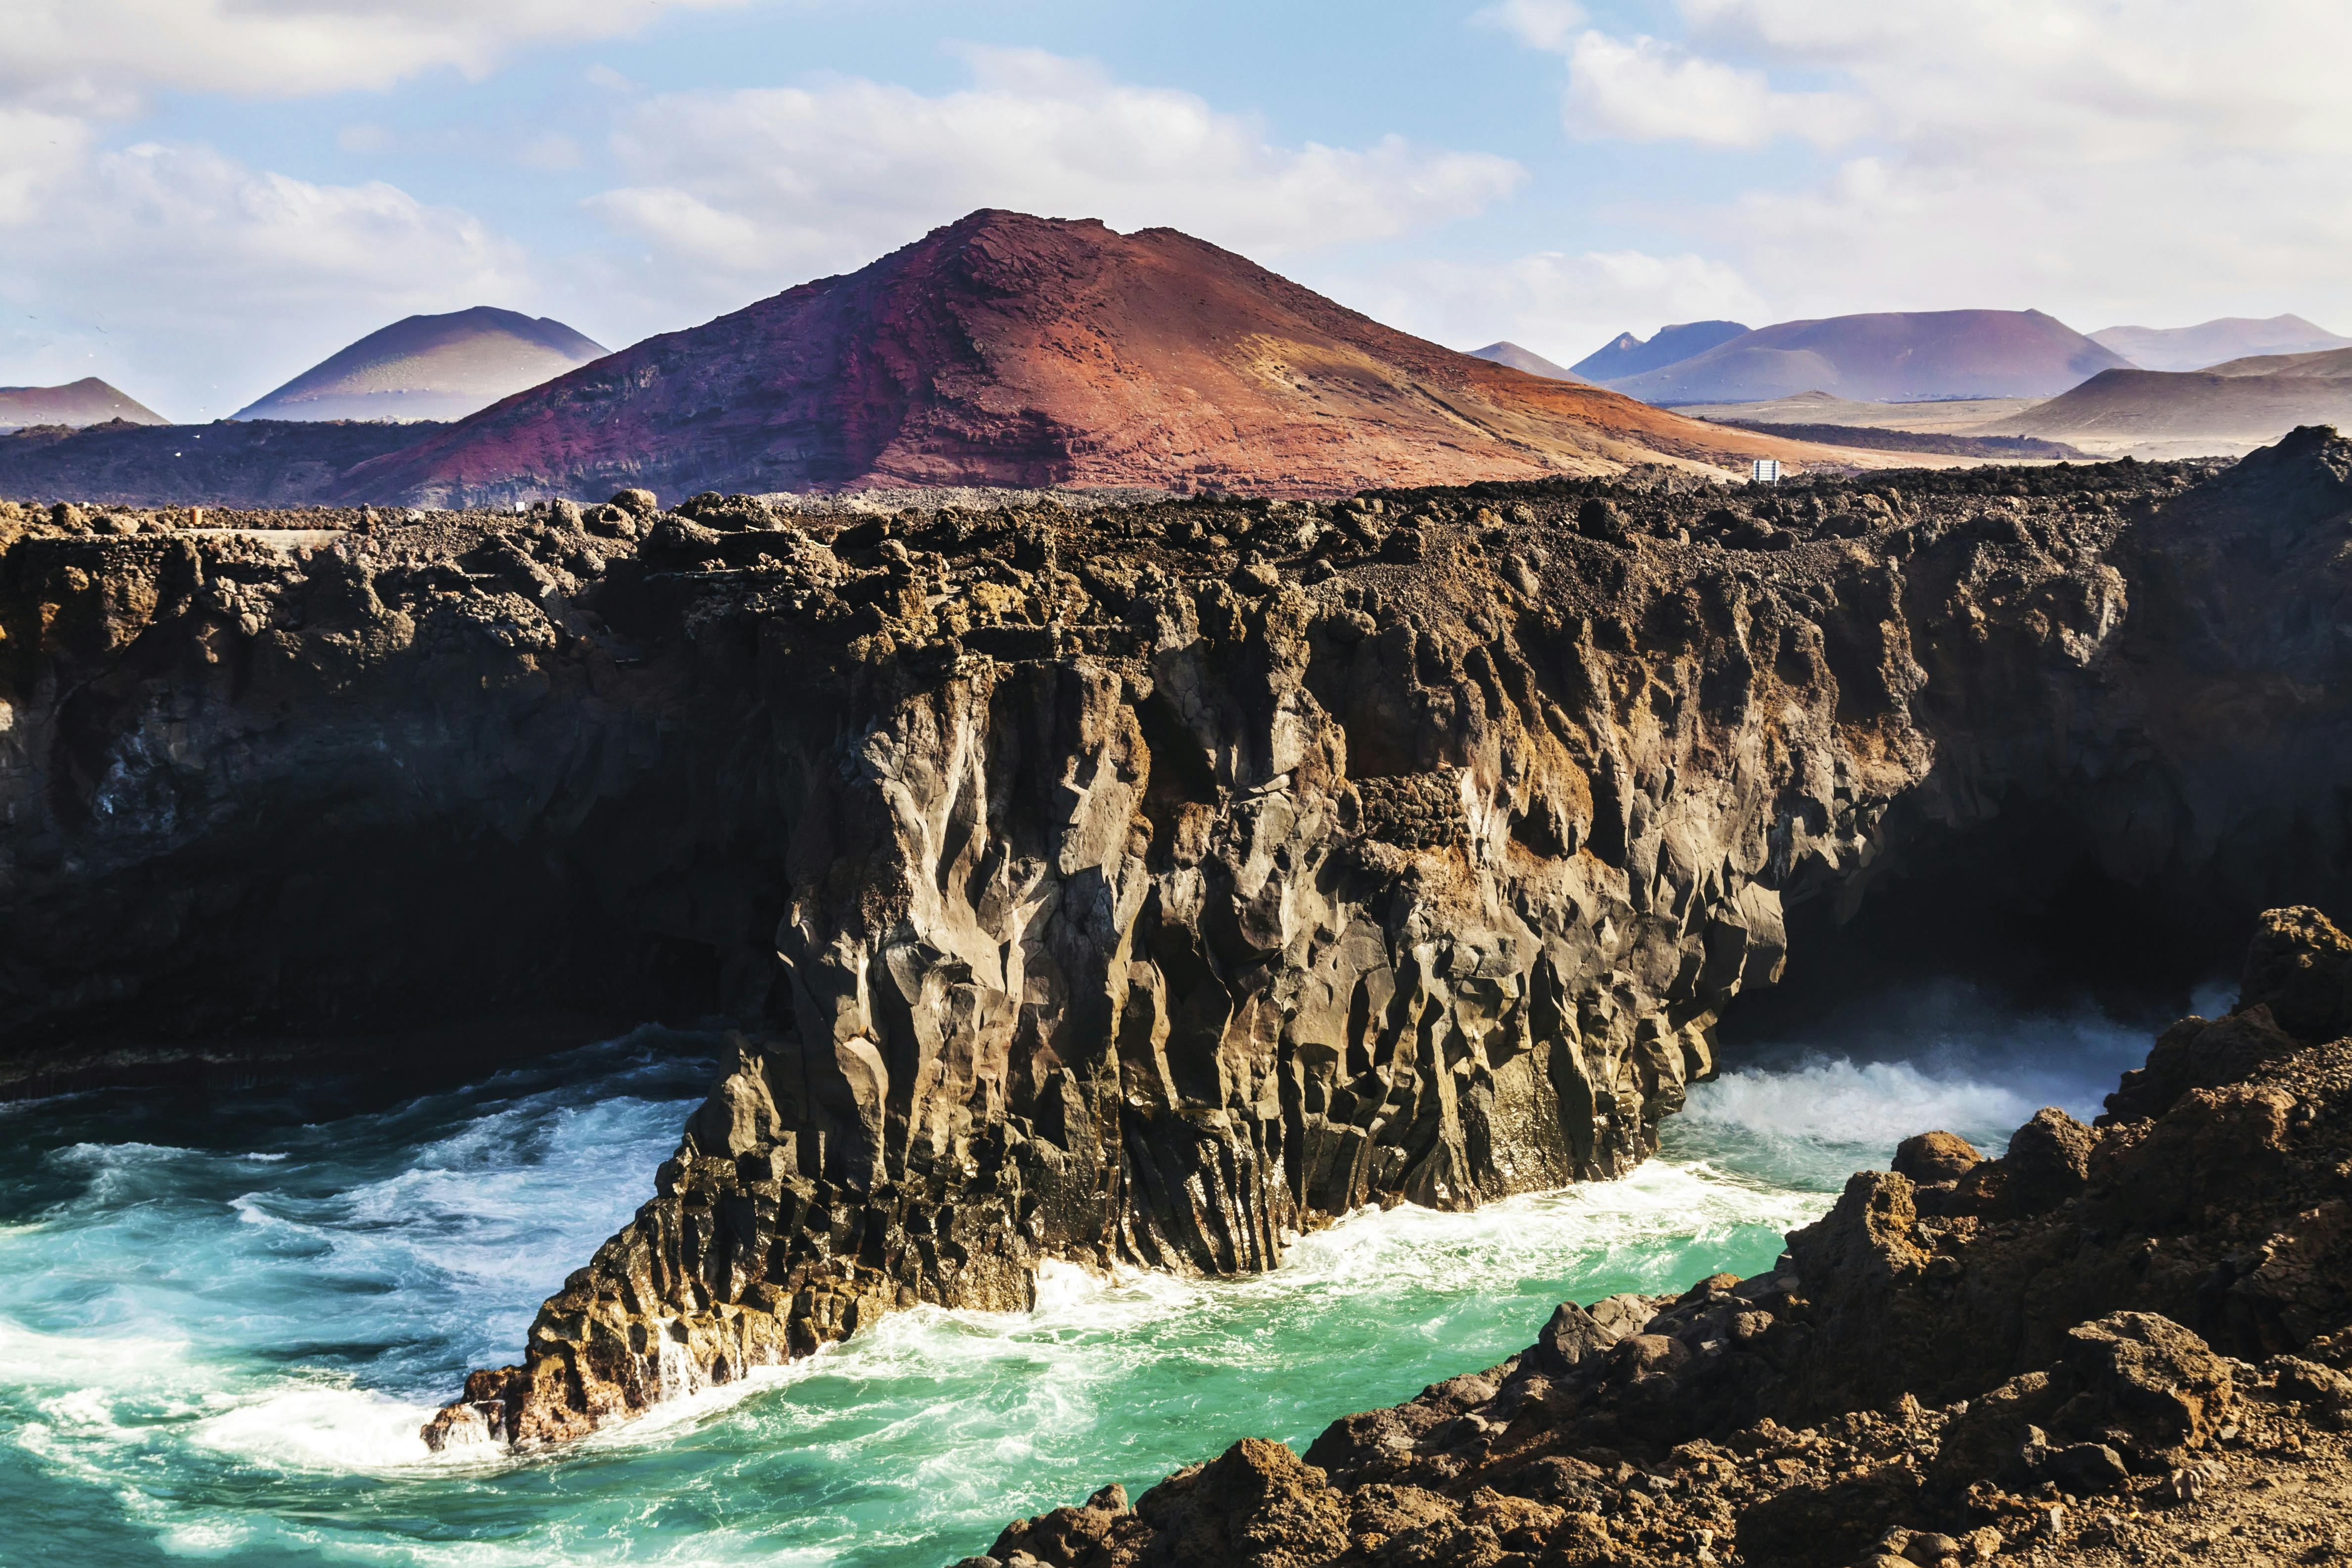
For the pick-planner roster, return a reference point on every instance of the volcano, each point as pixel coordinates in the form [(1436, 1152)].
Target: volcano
[(431, 367), (1018, 351), (89, 401)]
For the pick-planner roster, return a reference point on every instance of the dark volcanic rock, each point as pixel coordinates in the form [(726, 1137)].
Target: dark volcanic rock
[(1141, 885), (2073, 1386)]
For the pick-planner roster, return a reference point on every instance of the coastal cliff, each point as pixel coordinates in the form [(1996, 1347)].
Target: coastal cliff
[(2117, 1344), (1135, 886)]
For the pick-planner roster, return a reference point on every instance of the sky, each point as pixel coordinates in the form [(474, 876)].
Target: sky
[(199, 199)]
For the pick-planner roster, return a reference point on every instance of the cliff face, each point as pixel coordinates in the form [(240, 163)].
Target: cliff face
[(1135, 887), (2151, 1317)]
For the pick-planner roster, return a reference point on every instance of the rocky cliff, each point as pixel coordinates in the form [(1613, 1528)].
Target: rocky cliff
[(1136, 885), (2114, 1344)]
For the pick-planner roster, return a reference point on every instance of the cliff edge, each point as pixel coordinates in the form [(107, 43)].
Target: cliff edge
[(1140, 885)]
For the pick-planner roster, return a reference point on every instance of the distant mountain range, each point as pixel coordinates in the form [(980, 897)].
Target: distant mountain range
[(1528, 360), (1627, 355), (2210, 342), (431, 367), (89, 401), (1011, 350), (2234, 406), (1882, 358)]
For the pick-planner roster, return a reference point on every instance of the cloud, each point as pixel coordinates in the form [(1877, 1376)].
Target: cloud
[(551, 151), (1546, 25), (196, 283), (760, 187), (1643, 90), (79, 51), (1562, 305), (2162, 162)]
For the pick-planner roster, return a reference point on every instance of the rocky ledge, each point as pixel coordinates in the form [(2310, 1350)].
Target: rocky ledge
[(1137, 886), (2121, 1343)]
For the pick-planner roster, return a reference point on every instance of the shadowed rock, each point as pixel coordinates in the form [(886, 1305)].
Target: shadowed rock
[(1141, 885)]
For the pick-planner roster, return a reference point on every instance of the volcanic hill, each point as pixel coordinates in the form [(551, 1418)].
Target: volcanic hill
[(89, 401), (431, 367), (1626, 355), (1888, 357), (1011, 350), (1518, 358), (2225, 411), (2210, 342)]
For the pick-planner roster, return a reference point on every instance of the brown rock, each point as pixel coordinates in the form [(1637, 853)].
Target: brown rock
[(1254, 1506), (2195, 1054), (1935, 1157), (2049, 1160)]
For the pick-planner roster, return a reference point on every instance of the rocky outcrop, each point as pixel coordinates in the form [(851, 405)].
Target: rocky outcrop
[(1141, 886), (2150, 1367)]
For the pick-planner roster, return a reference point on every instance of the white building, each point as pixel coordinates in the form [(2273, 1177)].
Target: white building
[(1766, 472)]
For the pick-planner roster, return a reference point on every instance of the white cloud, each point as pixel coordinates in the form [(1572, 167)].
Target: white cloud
[(196, 283), (1562, 305), (69, 49), (1540, 23), (1643, 91), (38, 152), (2163, 162), (761, 187), (551, 151)]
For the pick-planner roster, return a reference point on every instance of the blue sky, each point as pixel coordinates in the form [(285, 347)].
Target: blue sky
[(200, 198)]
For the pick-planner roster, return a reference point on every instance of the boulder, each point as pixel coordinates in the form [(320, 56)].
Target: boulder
[(1572, 1338), (2300, 967), (2197, 1054), (2049, 1160), (1930, 1157)]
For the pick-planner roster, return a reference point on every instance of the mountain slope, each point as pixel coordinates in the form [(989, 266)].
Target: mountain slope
[(232, 463), (1528, 360), (1010, 350), (2210, 343), (1885, 357), (89, 401), (1626, 355), (431, 367), (2227, 410)]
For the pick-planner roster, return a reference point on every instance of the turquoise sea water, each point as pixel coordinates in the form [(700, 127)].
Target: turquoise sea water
[(222, 1320)]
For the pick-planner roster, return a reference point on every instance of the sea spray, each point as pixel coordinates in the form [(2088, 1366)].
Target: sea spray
[(225, 1351)]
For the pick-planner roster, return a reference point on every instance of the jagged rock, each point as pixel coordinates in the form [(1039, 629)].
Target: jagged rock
[(1571, 1339), (1119, 914), (2076, 1392), (1257, 1505), (2300, 968), (2049, 1160), (2196, 1053)]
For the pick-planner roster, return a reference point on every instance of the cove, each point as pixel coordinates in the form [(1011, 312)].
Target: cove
[(222, 1321)]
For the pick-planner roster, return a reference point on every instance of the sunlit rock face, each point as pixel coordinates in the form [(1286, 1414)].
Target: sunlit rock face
[(1135, 886)]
